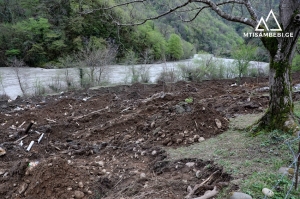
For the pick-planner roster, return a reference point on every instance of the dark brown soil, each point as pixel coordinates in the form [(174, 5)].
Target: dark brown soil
[(109, 142)]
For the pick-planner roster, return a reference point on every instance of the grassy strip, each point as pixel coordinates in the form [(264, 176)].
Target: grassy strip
[(252, 161)]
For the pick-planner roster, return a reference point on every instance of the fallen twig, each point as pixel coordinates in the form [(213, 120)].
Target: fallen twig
[(126, 109), (21, 124), (197, 186), (50, 120), (76, 118), (18, 140), (40, 138)]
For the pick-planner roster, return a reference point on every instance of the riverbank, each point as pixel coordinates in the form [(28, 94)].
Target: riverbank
[(38, 81)]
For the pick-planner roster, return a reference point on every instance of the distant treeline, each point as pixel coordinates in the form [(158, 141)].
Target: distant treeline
[(40, 32)]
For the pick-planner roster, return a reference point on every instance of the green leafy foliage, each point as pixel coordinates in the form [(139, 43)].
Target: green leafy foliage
[(54, 29), (175, 50), (243, 54)]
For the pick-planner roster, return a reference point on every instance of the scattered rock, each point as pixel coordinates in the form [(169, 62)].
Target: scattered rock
[(239, 195), (191, 140), (268, 192), (166, 141), (178, 141), (190, 164), (69, 189), (2, 171), (283, 170), (198, 174), (236, 181), (80, 184), (79, 194), (155, 131), (196, 138), (291, 171), (154, 152), (218, 123), (201, 139), (142, 175), (22, 188), (152, 124), (100, 163), (2, 151), (127, 137), (179, 109)]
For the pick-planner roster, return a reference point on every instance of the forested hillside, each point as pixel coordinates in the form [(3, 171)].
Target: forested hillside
[(41, 32)]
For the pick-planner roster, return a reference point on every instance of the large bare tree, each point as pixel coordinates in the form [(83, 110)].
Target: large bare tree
[(281, 49)]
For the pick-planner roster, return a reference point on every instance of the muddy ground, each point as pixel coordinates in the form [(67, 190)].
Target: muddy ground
[(109, 142)]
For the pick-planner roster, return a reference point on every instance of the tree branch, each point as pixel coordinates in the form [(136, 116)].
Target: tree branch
[(209, 4), (158, 16), (218, 4), (227, 16)]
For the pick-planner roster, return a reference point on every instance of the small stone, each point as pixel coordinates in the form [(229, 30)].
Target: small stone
[(170, 143), (268, 192), (79, 194), (179, 109), (142, 175), (2, 151), (22, 188), (236, 181), (198, 174), (218, 123), (127, 137), (143, 153), (196, 138), (2, 171), (291, 171), (166, 141), (100, 163), (14, 184), (69, 189), (190, 140), (80, 184), (178, 141), (181, 135), (27, 181), (154, 152), (152, 124), (190, 164), (283, 170), (89, 192), (201, 139), (50, 165), (239, 195)]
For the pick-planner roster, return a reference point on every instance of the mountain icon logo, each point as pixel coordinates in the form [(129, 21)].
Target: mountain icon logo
[(264, 22)]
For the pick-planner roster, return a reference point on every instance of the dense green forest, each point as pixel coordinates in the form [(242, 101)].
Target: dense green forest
[(42, 32)]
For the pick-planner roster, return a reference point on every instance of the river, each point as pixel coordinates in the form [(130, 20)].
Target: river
[(34, 79)]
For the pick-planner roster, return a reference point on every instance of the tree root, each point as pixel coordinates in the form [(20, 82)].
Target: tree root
[(270, 122)]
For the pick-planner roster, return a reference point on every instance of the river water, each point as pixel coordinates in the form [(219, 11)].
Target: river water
[(34, 79)]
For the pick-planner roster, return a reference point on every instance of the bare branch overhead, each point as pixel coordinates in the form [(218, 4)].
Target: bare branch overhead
[(203, 4)]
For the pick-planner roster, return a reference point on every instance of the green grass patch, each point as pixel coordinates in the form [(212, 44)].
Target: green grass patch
[(253, 160)]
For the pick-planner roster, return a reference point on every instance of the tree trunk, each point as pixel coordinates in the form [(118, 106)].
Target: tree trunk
[(280, 112)]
